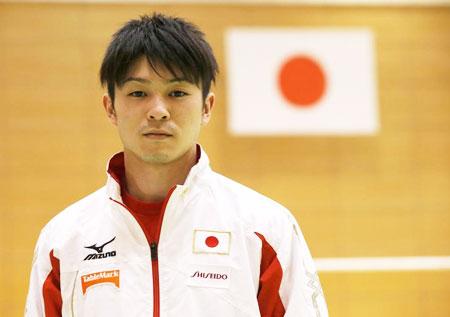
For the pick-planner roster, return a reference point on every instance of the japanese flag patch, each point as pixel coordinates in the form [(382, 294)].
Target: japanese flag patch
[(210, 241)]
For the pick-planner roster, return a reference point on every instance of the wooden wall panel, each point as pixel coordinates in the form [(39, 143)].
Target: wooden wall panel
[(385, 195), (375, 294)]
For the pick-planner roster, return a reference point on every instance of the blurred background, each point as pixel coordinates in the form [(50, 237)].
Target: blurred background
[(383, 194)]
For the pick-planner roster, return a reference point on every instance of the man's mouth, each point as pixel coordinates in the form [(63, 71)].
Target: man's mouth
[(157, 134)]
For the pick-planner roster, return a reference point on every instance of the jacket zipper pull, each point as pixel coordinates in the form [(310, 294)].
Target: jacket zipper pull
[(154, 251)]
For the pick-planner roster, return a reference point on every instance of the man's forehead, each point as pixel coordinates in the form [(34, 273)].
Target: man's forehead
[(142, 68)]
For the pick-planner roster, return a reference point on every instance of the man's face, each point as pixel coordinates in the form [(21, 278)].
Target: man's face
[(158, 116)]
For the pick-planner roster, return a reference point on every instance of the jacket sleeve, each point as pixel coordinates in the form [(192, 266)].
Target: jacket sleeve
[(288, 285), (44, 294), (300, 290)]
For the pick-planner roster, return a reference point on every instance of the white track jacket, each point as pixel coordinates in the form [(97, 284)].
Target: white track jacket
[(223, 251)]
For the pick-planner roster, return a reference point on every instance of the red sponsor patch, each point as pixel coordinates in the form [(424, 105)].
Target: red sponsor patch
[(91, 279)]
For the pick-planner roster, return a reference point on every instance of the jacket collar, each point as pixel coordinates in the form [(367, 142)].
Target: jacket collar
[(115, 173)]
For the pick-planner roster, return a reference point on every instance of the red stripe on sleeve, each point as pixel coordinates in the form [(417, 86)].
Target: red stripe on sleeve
[(270, 275), (51, 290)]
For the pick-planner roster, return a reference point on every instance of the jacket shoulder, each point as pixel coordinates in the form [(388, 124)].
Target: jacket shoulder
[(245, 193), (260, 213), (68, 222)]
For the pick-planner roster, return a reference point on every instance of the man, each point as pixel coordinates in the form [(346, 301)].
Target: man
[(167, 236)]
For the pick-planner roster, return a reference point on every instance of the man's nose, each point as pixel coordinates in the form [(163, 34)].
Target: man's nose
[(157, 109)]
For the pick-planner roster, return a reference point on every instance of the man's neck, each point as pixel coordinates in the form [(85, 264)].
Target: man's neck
[(151, 182)]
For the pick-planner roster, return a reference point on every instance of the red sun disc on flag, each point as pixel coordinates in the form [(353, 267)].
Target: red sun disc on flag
[(301, 80), (212, 241)]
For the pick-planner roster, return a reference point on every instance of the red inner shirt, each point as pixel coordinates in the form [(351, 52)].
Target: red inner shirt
[(147, 214)]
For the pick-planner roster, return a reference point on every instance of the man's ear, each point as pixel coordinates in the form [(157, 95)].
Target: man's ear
[(109, 108), (207, 107)]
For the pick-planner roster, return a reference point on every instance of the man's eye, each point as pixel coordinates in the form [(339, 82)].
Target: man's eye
[(177, 93), (137, 94)]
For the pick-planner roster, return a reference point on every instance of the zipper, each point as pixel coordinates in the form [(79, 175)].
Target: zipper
[(154, 251), (155, 271), (154, 256)]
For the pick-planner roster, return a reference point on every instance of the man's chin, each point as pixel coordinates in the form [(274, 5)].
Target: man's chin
[(156, 158)]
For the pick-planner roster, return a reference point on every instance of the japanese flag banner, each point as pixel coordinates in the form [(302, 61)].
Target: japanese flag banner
[(301, 82)]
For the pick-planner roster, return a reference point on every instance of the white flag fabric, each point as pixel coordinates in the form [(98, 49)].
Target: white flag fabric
[(209, 241), (301, 81)]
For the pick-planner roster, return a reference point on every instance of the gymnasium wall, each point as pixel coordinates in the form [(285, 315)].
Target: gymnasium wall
[(367, 196)]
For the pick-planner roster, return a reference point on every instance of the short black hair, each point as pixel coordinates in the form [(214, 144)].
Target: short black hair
[(168, 41)]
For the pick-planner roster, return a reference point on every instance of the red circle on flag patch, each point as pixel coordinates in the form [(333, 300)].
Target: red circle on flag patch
[(302, 81), (212, 241)]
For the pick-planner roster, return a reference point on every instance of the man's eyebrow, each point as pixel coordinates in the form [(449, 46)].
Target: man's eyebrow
[(138, 79), (147, 81)]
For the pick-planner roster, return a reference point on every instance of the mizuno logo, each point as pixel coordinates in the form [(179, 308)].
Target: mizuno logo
[(99, 250)]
